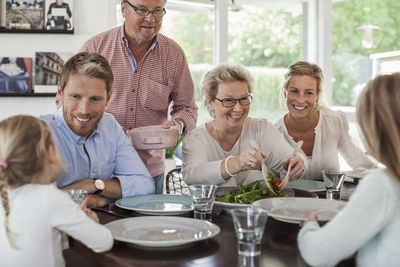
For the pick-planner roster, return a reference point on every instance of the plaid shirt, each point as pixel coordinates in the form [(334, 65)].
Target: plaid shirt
[(143, 91)]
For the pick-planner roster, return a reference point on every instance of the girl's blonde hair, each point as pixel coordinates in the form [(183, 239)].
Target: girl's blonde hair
[(224, 72), (378, 114), (23, 144)]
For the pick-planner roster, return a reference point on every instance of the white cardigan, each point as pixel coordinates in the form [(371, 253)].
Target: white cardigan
[(369, 224), (38, 214), (202, 154), (331, 137)]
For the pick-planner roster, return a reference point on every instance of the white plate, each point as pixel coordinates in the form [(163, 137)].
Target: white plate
[(157, 204), (309, 185), (358, 174), (163, 231), (297, 209)]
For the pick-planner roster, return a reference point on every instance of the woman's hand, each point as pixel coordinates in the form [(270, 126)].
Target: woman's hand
[(297, 164), (312, 218), (251, 159), (89, 212)]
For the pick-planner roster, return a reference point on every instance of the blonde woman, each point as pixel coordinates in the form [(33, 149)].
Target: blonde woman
[(370, 221), (325, 132), (220, 152), (33, 211)]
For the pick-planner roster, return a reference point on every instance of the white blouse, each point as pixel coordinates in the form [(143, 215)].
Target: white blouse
[(202, 154), (38, 216), (369, 224), (331, 137)]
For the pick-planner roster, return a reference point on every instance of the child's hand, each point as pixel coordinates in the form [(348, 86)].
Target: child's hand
[(89, 212), (312, 218)]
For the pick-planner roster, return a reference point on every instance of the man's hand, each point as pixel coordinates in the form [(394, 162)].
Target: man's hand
[(179, 123), (112, 187)]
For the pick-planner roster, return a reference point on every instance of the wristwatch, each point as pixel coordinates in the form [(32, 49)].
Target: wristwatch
[(99, 184)]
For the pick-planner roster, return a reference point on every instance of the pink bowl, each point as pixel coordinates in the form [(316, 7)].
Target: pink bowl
[(153, 137)]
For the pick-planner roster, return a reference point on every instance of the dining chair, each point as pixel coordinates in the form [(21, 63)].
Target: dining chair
[(174, 183)]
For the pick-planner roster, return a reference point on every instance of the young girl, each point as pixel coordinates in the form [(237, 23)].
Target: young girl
[(370, 221), (34, 212)]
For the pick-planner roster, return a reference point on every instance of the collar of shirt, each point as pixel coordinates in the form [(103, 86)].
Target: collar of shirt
[(59, 118), (124, 42)]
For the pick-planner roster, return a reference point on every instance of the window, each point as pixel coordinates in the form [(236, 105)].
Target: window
[(266, 39), (352, 65)]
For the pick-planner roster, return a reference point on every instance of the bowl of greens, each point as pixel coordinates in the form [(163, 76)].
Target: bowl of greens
[(243, 196)]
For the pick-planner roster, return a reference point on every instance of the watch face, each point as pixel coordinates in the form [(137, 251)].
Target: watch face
[(99, 184)]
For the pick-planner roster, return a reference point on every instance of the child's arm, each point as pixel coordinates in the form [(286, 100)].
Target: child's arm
[(91, 214)]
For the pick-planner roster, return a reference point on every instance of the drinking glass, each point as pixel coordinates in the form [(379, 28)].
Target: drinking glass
[(249, 226), (333, 182), (203, 196), (77, 195)]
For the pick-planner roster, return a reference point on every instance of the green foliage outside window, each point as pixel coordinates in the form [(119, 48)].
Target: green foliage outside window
[(351, 62)]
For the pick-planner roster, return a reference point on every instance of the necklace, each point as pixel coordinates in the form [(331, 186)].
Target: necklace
[(236, 177), (219, 137)]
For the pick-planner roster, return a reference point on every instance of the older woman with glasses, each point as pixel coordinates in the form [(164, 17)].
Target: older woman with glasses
[(220, 151)]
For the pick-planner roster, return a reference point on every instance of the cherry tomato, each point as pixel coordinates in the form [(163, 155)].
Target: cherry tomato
[(277, 182)]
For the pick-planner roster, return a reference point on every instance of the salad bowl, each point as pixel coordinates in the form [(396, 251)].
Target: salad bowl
[(288, 192)]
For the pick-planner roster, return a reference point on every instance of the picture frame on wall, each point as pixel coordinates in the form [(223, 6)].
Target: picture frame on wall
[(15, 75), (2, 13), (48, 66), (59, 15), (24, 14)]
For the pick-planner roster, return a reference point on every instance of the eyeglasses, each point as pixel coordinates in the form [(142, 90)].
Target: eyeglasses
[(157, 13), (230, 102)]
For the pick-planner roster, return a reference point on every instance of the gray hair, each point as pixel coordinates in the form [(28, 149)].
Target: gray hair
[(223, 73)]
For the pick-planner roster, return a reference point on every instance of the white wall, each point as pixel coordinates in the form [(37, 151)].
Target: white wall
[(90, 17)]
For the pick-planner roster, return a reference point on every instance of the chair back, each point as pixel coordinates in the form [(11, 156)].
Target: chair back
[(174, 183)]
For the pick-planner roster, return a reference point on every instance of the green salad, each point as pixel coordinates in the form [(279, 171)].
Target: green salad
[(250, 193)]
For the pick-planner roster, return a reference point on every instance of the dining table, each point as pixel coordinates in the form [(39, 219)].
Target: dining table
[(278, 247)]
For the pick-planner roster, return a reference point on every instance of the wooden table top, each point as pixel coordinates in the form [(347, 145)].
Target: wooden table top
[(279, 248)]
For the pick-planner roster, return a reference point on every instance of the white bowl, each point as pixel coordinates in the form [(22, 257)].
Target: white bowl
[(153, 137)]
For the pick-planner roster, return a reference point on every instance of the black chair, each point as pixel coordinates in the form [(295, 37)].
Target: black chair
[(174, 183)]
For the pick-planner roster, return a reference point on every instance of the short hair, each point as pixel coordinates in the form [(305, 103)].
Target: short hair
[(88, 64), (305, 68), (23, 145), (378, 114), (223, 73)]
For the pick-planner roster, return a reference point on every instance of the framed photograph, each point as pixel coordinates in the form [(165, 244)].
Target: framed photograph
[(24, 14), (59, 15), (48, 66), (15, 75), (2, 13)]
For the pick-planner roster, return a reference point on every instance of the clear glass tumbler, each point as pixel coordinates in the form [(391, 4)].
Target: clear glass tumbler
[(333, 183), (77, 195), (203, 196), (249, 226)]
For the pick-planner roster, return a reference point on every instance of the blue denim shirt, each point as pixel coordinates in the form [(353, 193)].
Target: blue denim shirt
[(107, 153)]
